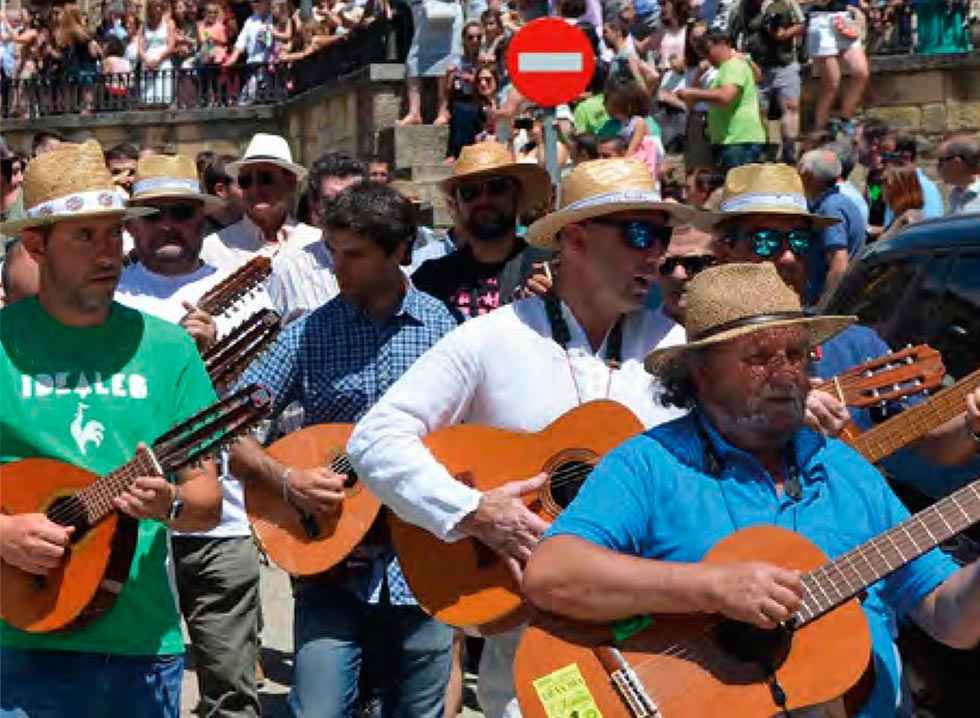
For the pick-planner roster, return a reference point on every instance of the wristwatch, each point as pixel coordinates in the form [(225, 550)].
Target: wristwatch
[(176, 505)]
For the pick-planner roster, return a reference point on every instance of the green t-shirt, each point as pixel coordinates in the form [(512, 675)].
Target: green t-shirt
[(590, 115), (88, 396), (740, 121)]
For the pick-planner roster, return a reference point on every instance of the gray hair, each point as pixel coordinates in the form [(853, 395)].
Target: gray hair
[(967, 148), (822, 165)]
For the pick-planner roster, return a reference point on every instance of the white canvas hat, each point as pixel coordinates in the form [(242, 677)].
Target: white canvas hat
[(268, 149)]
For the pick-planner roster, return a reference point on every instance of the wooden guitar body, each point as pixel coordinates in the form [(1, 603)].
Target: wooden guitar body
[(301, 544), (687, 663), (95, 567), (465, 583)]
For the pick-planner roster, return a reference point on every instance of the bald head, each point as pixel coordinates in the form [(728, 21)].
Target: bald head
[(958, 160)]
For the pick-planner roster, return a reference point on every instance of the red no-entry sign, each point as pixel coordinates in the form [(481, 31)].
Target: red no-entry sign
[(550, 61)]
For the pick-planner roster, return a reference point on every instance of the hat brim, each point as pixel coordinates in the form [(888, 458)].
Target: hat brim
[(536, 192), (710, 220), (234, 168), (34, 222), (543, 232), (821, 329), (208, 199)]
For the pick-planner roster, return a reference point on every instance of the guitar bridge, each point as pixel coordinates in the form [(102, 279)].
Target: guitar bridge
[(627, 683)]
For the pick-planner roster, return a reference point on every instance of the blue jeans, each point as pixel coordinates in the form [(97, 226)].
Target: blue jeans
[(738, 154), (54, 684), (337, 635)]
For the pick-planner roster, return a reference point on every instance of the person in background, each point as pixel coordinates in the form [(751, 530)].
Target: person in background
[(459, 105), (734, 124), (612, 146), (590, 114), (11, 179), (157, 44), (699, 73), (834, 39), (586, 147), (629, 104), (212, 42), (379, 169), (839, 242), (958, 163), (254, 43), (904, 197), (844, 150), (702, 183), (689, 251), (901, 150), (121, 161), (436, 44), (19, 274), (429, 243), (868, 140), (217, 182)]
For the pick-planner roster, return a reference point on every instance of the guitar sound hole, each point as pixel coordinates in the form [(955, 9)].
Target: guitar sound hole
[(767, 649), (566, 481), (69, 511)]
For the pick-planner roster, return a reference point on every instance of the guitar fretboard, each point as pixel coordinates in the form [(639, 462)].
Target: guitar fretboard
[(914, 423), (97, 497), (844, 578)]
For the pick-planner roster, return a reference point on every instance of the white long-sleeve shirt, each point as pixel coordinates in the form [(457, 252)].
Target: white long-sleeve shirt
[(231, 247), (502, 369)]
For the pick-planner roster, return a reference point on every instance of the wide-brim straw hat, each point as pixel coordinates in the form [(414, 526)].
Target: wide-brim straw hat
[(490, 159), (267, 149), (162, 177), (70, 182), (773, 189), (600, 187), (732, 300)]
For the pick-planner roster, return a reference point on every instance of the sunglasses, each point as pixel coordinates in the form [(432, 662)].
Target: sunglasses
[(495, 186), (639, 234), (176, 213), (262, 179), (692, 264), (767, 243)]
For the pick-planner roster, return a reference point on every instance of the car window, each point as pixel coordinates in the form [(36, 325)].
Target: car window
[(958, 317)]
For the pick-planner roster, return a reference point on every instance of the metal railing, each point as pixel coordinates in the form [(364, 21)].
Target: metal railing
[(198, 87)]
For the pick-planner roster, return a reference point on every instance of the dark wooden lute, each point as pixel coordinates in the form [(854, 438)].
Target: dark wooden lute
[(97, 565), (227, 359), (711, 667), (223, 296)]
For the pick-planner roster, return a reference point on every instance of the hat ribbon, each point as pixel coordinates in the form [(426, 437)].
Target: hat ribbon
[(618, 197), (748, 321), (264, 158), (77, 202), (166, 183), (750, 200)]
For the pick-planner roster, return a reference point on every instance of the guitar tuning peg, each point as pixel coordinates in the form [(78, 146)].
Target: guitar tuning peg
[(925, 392), (909, 360), (875, 393), (896, 387), (918, 382), (868, 374)]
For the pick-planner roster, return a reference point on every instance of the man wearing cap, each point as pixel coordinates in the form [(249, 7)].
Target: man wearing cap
[(764, 217), (487, 193), (631, 542), (522, 366), (217, 571), (84, 383), (268, 178)]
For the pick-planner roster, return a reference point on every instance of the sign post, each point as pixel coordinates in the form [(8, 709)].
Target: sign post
[(550, 62)]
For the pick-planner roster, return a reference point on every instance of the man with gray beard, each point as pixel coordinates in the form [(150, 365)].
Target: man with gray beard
[(487, 193)]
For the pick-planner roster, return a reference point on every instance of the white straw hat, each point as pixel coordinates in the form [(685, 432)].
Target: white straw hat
[(268, 149)]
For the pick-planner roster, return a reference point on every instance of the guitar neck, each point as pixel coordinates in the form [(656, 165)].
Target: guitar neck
[(223, 295), (915, 422), (844, 578), (96, 499)]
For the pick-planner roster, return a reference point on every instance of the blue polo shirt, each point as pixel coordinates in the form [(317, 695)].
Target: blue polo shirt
[(653, 497), (847, 234)]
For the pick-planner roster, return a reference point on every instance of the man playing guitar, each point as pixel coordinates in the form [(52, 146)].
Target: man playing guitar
[(84, 383)]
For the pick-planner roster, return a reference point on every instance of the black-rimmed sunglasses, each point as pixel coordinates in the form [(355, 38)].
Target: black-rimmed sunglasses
[(262, 178), (766, 243), (495, 186), (176, 213), (638, 233), (692, 264)]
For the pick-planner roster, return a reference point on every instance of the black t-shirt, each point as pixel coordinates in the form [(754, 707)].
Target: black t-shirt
[(470, 287)]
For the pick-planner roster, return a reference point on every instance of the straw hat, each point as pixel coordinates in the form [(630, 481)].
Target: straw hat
[(70, 182), (600, 187), (269, 149), (763, 189), (490, 159), (732, 300), (168, 177)]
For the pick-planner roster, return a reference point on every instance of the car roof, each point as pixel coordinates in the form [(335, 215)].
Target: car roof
[(943, 233)]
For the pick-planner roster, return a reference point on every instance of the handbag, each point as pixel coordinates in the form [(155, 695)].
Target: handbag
[(438, 12)]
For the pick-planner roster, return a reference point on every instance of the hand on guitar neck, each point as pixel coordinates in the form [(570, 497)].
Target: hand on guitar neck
[(503, 522)]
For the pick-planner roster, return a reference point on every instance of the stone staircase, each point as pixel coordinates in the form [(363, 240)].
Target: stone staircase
[(418, 154)]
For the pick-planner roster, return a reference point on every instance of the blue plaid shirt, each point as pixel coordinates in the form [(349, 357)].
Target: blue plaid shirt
[(336, 362)]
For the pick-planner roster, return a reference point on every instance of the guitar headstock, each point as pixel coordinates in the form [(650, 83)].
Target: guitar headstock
[(226, 360), (913, 370), (246, 278), (206, 432)]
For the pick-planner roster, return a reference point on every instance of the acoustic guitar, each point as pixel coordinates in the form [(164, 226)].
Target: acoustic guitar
[(465, 583), (97, 565), (223, 296), (227, 359), (913, 370), (711, 667)]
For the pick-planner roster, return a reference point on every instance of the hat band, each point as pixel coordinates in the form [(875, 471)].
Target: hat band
[(747, 322), (624, 196), (264, 158), (165, 183), (78, 203), (749, 200)]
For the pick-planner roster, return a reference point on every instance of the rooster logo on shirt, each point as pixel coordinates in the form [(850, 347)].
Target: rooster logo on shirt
[(84, 432)]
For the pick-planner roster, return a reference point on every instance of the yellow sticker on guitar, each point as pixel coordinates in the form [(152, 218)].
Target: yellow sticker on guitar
[(565, 694)]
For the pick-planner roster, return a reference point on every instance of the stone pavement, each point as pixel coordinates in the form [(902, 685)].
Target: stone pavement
[(277, 653)]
